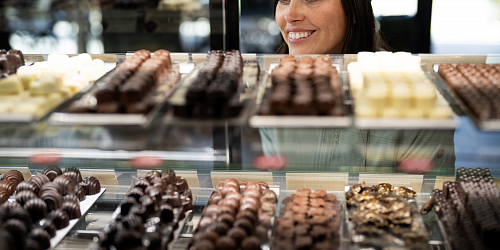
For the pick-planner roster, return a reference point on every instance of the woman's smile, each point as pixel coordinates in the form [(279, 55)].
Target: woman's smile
[(299, 36)]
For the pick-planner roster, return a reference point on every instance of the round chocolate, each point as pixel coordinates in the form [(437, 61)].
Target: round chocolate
[(212, 211), (52, 171), (24, 196), (245, 224), (230, 202), (52, 199), (249, 206), (18, 230), (188, 193), (41, 236), (226, 218), (7, 186), (49, 226), (81, 193), (205, 222), (4, 195), (32, 244), (187, 203), (229, 189), (72, 210), (141, 183), (60, 218), (36, 208), (11, 205), (250, 243), (215, 198), (93, 185), (226, 243), (263, 185), (7, 241), (248, 215), (267, 208), (66, 183), (262, 233), (265, 220), (270, 196), (72, 198), (74, 173), (204, 245), (181, 184), (39, 180), (237, 233), (252, 192), (219, 227), (234, 195), (253, 185), (50, 186), (231, 181), (243, 186), (14, 176), (20, 214), (219, 186), (249, 199), (30, 186)]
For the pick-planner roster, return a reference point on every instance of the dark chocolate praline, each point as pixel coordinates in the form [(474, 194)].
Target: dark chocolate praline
[(93, 185), (32, 244), (74, 173), (30, 186), (24, 196), (41, 236), (72, 198), (36, 208), (4, 195), (52, 171), (204, 245), (181, 184), (127, 239), (72, 210), (39, 180), (18, 231), (219, 227), (52, 199), (50, 186), (20, 214), (226, 243), (141, 183), (246, 224), (127, 205), (81, 193), (237, 233), (49, 226), (60, 218), (135, 193), (68, 186)]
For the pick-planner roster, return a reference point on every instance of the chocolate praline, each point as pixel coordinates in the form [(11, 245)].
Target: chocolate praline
[(128, 239), (204, 245), (252, 192), (152, 175), (72, 210), (4, 195), (49, 226), (20, 214), (52, 171), (81, 193), (226, 218), (226, 243), (72, 198), (39, 180), (166, 213), (270, 196), (246, 224), (250, 243), (50, 186), (14, 176), (60, 218), (215, 198), (237, 233), (250, 207), (41, 236), (229, 189), (204, 223), (93, 186), (219, 227), (24, 196), (141, 183), (172, 198), (7, 186), (52, 199), (249, 200), (181, 184), (232, 181), (233, 195), (136, 193), (230, 202), (36, 208), (18, 230), (212, 211), (26, 185), (248, 215), (74, 173)]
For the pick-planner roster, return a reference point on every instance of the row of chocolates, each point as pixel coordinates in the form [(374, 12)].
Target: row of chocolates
[(304, 86), (151, 212), (131, 88), (42, 205), (478, 85), (239, 215)]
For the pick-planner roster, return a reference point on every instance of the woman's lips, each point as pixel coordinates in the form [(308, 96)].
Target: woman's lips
[(299, 35)]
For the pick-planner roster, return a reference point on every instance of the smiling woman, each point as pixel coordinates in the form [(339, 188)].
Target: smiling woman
[(327, 26)]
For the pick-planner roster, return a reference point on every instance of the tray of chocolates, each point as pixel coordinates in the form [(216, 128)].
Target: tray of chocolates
[(469, 210), (302, 92), (309, 220), (152, 215), (239, 215), (218, 91), (45, 208), (391, 91), (35, 91), (131, 94), (384, 217), (478, 88)]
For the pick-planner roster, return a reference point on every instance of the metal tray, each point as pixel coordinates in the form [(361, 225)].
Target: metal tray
[(296, 121), (490, 125), (247, 93), (405, 123), (63, 117)]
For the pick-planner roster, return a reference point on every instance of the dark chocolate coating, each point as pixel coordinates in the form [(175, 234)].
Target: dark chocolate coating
[(20, 214), (26, 185), (50, 186), (32, 244), (72, 198), (14, 176), (4, 195), (18, 230), (226, 243), (60, 218), (128, 239), (72, 210), (237, 233), (36, 208), (181, 184), (93, 185), (250, 243), (52, 199), (219, 227), (39, 180), (226, 218), (215, 198), (166, 213), (52, 171), (41, 236), (245, 224), (49, 226), (127, 205), (81, 193), (74, 173), (24, 196), (204, 245)]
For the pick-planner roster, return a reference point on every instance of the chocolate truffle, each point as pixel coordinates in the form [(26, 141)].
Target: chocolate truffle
[(18, 231), (52, 171), (250, 243), (30, 186), (81, 193), (24, 196), (181, 184), (14, 176), (36, 208), (20, 214), (246, 224), (72, 198), (215, 198), (52, 187), (67, 184), (41, 236), (93, 186), (60, 218), (52, 199), (72, 210), (226, 243), (39, 180), (74, 173), (49, 226), (7, 186), (237, 233)]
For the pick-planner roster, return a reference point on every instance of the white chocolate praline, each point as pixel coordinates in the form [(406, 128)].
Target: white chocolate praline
[(401, 97), (54, 99), (413, 113), (391, 113), (440, 112), (44, 85), (28, 74), (377, 97), (365, 111), (11, 85), (4, 107), (27, 108)]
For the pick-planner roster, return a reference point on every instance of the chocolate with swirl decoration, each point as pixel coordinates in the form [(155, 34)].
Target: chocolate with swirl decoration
[(24, 196), (41, 236), (74, 173), (52, 198), (39, 180), (14, 176), (67, 184), (30, 186), (81, 193), (36, 208), (93, 186), (52, 171), (60, 218), (72, 210), (8, 186)]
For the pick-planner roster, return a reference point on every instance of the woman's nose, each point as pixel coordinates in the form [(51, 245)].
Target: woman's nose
[(294, 12)]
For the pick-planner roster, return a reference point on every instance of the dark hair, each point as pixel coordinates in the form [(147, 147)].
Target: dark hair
[(362, 33)]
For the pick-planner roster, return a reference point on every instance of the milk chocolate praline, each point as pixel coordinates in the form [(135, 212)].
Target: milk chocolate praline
[(226, 243), (250, 243), (181, 184), (215, 198), (14, 176), (237, 233), (246, 224), (229, 189), (252, 192), (7, 186)]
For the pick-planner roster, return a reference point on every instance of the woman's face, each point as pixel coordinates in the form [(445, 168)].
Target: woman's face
[(312, 26)]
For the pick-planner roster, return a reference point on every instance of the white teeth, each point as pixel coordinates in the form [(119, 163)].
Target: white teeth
[(297, 35)]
